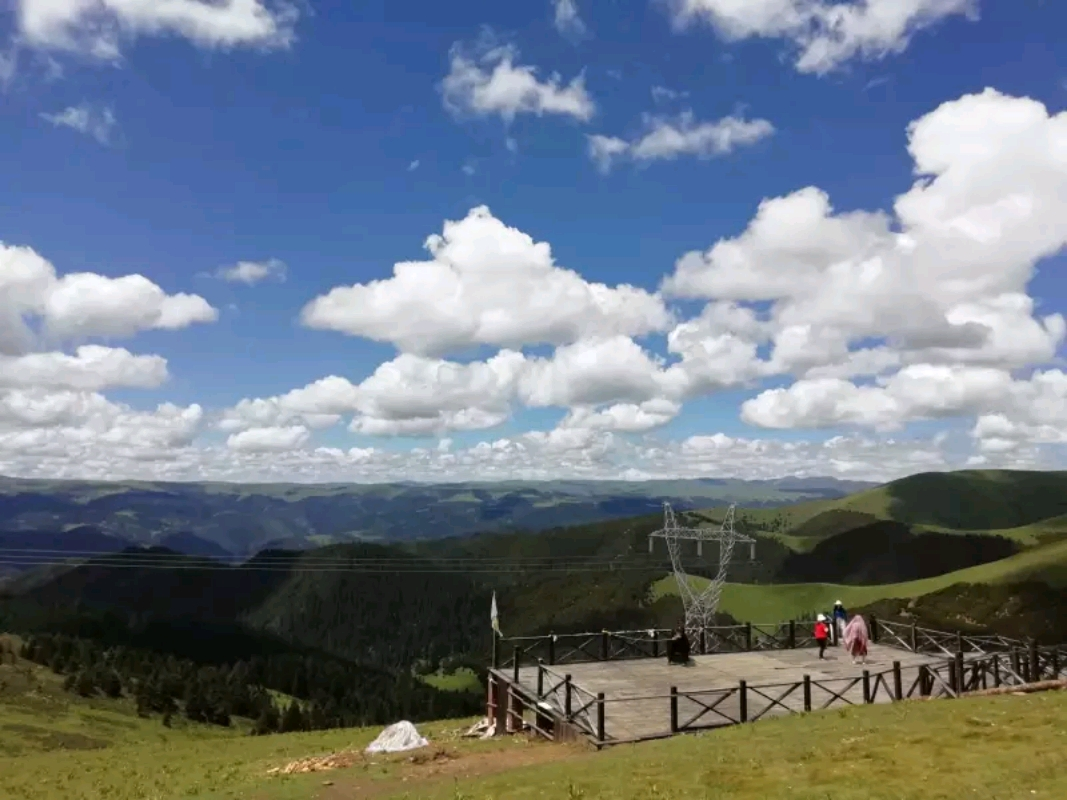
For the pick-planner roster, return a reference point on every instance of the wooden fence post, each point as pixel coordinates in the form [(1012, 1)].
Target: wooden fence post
[(996, 671), (674, 709), (748, 636), (1016, 667), (742, 701), (567, 697), (703, 641), (655, 645), (925, 681), (961, 676), (600, 717), (953, 680), (551, 649), (807, 692), (792, 634), (867, 686), (1035, 661), (959, 642), (1055, 663), (515, 665), (914, 637), (874, 629), (603, 645), (898, 682), (540, 678)]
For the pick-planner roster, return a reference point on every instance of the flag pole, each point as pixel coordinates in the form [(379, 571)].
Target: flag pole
[(495, 622)]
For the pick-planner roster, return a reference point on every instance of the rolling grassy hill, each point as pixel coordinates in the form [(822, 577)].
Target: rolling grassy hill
[(1022, 505), (1025, 508), (776, 602)]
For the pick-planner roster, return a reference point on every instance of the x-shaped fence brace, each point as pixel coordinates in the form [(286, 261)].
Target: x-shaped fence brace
[(850, 684), (773, 702), (1049, 663), (571, 654), (879, 683), (725, 640), (939, 681), (888, 629), (770, 638), (621, 646), (708, 708)]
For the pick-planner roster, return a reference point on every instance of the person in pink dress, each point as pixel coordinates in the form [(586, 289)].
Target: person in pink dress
[(856, 638)]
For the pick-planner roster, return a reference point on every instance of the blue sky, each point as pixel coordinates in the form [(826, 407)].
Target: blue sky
[(306, 153)]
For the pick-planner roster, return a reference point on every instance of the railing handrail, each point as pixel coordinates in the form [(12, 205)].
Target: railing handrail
[(944, 678)]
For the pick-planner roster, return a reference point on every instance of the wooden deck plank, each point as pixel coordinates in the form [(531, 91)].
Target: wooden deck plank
[(627, 684)]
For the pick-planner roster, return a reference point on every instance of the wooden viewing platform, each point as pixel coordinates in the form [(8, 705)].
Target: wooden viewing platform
[(614, 687), (635, 689)]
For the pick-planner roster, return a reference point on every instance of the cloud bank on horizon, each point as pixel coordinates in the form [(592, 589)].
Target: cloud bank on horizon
[(864, 342)]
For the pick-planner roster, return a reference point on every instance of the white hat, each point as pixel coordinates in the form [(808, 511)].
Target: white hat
[(821, 618), (837, 602)]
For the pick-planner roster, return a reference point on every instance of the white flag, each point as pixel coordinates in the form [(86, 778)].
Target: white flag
[(495, 617)]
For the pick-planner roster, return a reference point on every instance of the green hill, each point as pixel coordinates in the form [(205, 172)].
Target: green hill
[(776, 602), (1030, 504)]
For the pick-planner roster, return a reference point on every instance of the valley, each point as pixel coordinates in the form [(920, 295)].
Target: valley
[(408, 621), (226, 520)]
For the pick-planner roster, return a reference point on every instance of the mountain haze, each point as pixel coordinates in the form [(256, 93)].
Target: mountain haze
[(221, 519)]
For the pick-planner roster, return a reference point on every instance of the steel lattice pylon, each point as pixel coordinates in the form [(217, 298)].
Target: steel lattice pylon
[(700, 606)]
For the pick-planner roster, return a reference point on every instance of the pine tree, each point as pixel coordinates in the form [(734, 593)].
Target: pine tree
[(111, 683), (84, 685), (267, 722), (293, 719)]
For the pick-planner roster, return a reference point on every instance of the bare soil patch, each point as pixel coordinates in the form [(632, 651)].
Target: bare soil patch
[(410, 772)]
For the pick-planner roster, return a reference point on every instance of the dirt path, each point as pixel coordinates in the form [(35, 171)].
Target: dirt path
[(443, 765)]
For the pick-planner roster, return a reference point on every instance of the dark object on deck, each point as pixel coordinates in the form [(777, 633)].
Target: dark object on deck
[(678, 648)]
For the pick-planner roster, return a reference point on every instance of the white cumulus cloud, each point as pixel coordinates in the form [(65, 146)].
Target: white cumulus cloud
[(487, 284), (826, 33), (854, 325), (491, 83), (97, 28), (669, 138)]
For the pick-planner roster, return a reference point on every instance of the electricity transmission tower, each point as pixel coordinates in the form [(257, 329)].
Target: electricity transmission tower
[(700, 606)]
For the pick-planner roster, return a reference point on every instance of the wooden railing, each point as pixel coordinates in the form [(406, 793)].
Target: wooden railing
[(967, 664), (574, 648), (927, 640)]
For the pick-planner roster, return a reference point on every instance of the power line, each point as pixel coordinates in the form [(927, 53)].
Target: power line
[(496, 565), (354, 569)]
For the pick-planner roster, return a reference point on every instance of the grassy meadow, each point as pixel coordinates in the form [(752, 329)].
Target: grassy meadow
[(778, 602), (54, 746)]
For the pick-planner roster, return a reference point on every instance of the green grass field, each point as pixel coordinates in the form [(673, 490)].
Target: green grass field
[(1004, 748), (1028, 507), (778, 602), (462, 680), (55, 747)]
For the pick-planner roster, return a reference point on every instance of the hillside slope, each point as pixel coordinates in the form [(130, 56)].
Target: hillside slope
[(1027, 506), (775, 602)]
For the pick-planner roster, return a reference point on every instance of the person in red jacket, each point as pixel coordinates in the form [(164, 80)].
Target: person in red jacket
[(822, 634)]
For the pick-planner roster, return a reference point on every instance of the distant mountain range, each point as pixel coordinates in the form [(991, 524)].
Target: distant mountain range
[(227, 520), (390, 604)]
